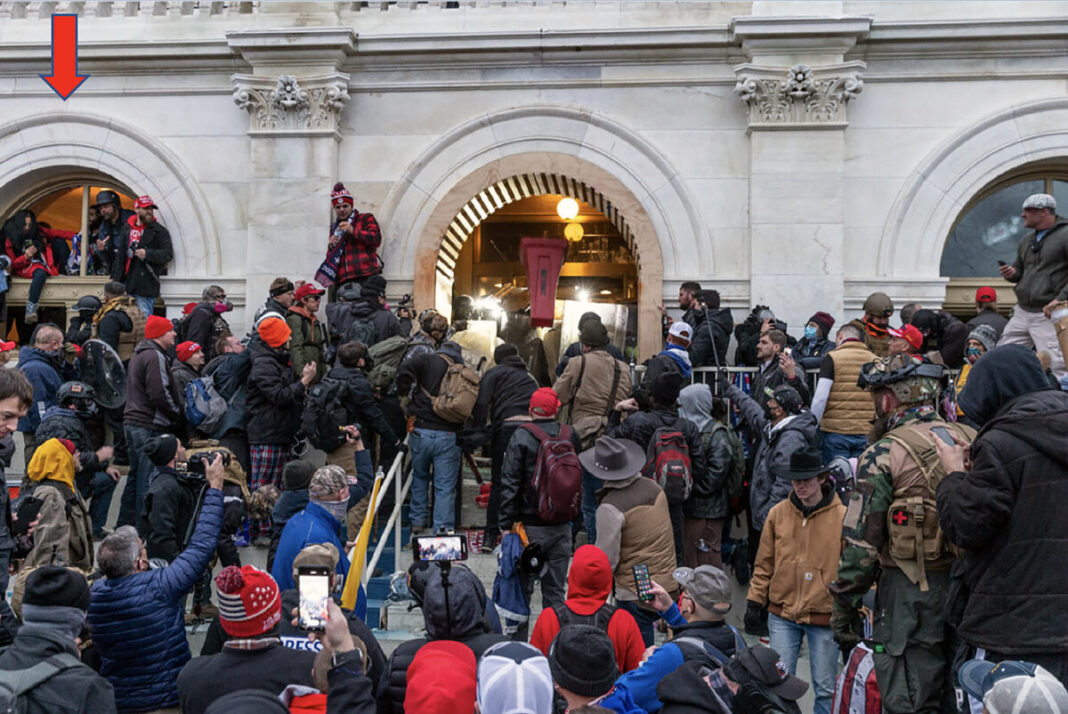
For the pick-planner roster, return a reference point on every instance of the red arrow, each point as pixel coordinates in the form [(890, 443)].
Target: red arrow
[(64, 78)]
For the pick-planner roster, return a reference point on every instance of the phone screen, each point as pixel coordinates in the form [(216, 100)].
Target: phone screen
[(444, 547), (642, 582), (314, 587), (943, 433)]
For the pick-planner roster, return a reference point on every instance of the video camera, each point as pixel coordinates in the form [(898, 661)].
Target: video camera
[(404, 308), (196, 466)]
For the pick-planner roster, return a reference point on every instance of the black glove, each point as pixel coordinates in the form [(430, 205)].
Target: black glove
[(753, 620), (402, 448)]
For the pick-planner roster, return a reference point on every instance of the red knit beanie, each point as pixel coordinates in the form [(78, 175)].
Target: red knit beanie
[(249, 605), (340, 194), (441, 679), (544, 403), (156, 327)]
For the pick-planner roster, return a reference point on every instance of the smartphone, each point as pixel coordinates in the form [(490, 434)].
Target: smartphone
[(1002, 263), (313, 585), (440, 547), (789, 352), (643, 583), (943, 433)]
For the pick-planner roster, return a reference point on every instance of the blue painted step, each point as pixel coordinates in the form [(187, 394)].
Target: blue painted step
[(375, 607)]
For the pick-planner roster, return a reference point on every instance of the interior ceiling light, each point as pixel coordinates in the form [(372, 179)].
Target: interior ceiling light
[(573, 232), (567, 208)]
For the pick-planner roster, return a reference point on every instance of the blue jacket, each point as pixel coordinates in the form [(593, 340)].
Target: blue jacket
[(312, 525), (45, 379), (138, 623)]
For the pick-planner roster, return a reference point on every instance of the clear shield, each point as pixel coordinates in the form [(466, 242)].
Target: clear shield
[(103, 371)]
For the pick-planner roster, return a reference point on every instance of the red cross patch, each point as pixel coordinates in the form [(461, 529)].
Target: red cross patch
[(900, 517)]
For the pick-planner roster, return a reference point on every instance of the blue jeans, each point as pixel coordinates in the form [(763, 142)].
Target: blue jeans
[(439, 448), (141, 469), (37, 283), (785, 639), (644, 618), (99, 493), (846, 445), (145, 304), (590, 486)]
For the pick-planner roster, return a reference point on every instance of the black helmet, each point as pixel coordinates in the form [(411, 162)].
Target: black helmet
[(86, 303), (105, 197), (79, 394)]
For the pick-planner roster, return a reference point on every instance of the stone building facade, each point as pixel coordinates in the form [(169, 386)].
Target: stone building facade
[(800, 155)]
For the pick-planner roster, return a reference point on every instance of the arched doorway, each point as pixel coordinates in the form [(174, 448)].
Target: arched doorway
[(632, 176)]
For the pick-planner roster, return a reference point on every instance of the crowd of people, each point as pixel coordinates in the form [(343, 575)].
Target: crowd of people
[(889, 515)]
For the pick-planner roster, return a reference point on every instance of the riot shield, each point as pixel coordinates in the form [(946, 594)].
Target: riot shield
[(103, 371)]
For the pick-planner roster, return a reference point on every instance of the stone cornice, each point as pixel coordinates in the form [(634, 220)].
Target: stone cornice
[(286, 47), (774, 35), (292, 106)]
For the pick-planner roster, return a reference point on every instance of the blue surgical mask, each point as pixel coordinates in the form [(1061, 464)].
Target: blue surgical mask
[(811, 332)]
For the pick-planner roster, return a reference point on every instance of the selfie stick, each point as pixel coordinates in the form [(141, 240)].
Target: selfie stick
[(446, 566)]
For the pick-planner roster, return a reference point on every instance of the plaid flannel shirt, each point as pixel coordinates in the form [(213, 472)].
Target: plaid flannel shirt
[(360, 257)]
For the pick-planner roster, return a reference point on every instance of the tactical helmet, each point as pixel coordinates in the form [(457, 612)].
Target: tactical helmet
[(879, 305), (912, 380), (87, 303), (349, 292), (78, 393), (105, 197)]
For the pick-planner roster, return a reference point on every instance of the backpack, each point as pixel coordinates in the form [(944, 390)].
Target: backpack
[(386, 357), (457, 392), (15, 684), (204, 406), (359, 330), (668, 463), (735, 486), (600, 619), (695, 648), (557, 481), (324, 411)]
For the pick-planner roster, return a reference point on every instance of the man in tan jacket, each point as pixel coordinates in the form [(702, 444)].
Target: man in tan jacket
[(591, 385), (845, 410), (633, 524), (798, 556)]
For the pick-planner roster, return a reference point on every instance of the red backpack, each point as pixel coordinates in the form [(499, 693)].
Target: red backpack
[(669, 464), (557, 481)]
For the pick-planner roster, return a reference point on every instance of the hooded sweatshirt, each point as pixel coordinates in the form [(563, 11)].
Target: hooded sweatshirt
[(443, 677), (589, 583), (1007, 513)]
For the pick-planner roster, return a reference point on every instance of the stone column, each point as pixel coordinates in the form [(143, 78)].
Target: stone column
[(797, 121), (294, 98)]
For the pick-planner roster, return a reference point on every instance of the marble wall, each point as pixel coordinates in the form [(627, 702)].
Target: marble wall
[(796, 154)]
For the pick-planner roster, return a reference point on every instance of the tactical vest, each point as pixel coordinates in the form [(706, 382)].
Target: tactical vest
[(915, 542), (849, 408), (127, 340)]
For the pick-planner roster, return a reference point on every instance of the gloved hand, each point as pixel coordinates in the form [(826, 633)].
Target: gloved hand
[(753, 620), (847, 627)]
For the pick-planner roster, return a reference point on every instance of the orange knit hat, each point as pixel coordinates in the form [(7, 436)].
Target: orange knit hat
[(274, 331)]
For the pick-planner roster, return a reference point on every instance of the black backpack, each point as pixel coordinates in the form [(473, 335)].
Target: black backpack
[(15, 684), (600, 619), (324, 412)]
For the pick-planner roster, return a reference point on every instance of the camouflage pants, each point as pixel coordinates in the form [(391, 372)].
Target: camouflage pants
[(914, 671)]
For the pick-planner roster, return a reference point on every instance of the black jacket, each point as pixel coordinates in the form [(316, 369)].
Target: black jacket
[(773, 377), (204, 326), (142, 279), (463, 621), (172, 505), (639, 427), (361, 405), (72, 691), (685, 691), (229, 373), (425, 372), (709, 497), (989, 317), (1007, 514), (149, 400), (517, 500), (341, 315), (60, 423), (748, 334), (272, 669), (951, 339), (111, 324), (297, 639), (504, 392), (706, 348), (275, 396)]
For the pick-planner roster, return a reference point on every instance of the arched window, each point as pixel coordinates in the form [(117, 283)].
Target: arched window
[(989, 229)]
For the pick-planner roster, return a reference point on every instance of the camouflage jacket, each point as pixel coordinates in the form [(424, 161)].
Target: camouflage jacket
[(885, 472)]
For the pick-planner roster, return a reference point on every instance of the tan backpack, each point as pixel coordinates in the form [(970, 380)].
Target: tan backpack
[(457, 392)]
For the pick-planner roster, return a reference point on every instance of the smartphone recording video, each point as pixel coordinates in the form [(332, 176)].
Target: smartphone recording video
[(440, 547), (313, 584)]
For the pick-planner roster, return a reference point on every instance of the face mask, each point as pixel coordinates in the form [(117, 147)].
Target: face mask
[(810, 332), (337, 509), (223, 306), (973, 353), (874, 330)]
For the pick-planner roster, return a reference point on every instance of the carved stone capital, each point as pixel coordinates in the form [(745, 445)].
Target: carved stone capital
[(798, 97), (288, 106)]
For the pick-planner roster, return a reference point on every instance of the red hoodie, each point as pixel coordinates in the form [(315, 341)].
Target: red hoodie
[(589, 582), (441, 679)]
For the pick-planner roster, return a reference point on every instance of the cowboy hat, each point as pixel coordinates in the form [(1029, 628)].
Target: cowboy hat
[(613, 459)]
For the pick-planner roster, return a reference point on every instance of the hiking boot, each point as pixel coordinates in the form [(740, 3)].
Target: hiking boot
[(31, 313)]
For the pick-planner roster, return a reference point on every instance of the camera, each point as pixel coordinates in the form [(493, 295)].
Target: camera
[(195, 466)]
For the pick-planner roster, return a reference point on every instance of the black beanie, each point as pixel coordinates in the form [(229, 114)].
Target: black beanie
[(593, 334), (582, 660), (665, 388), (504, 351), (375, 284), (56, 586), (788, 398), (297, 475), (161, 449)]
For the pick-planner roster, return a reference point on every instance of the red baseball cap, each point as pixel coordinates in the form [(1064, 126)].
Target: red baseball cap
[(308, 289), (986, 294), (6, 346), (187, 349), (544, 402), (910, 334), (145, 202)]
